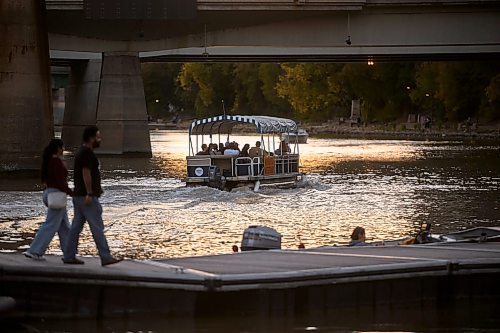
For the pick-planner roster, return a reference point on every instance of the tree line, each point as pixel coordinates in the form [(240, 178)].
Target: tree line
[(446, 91)]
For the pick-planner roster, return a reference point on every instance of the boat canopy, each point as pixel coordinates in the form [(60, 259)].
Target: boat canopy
[(224, 124)]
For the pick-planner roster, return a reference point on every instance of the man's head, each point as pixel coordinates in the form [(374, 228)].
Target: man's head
[(257, 144), (92, 136), (204, 146)]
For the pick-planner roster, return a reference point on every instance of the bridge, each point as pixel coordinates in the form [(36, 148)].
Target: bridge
[(107, 89)]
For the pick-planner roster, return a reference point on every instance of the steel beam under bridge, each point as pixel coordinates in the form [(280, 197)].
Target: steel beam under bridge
[(284, 31)]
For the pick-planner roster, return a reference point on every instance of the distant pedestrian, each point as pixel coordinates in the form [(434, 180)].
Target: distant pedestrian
[(54, 178), (358, 237), (87, 179)]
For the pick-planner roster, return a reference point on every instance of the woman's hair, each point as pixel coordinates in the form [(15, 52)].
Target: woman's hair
[(357, 232), (50, 150)]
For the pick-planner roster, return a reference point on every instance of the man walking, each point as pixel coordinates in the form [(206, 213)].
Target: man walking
[(87, 179)]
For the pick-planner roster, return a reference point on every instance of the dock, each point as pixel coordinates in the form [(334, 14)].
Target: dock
[(423, 286)]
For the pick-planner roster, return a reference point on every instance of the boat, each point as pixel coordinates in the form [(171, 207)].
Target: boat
[(271, 167), (299, 136), (424, 236)]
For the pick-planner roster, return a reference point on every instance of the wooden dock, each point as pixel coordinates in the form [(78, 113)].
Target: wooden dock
[(422, 285)]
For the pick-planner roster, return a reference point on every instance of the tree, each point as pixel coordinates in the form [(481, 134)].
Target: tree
[(208, 85), (307, 88), (161, 88)]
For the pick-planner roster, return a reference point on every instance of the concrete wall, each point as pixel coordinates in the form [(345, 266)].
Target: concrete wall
[(25, 89), (81, 100), (121, 110)]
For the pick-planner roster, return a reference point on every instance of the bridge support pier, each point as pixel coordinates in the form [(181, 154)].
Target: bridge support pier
[(81, 100), (25, 90), (121, 109)]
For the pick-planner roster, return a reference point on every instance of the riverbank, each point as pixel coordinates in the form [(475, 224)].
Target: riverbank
[(490, 132), (389, 131)]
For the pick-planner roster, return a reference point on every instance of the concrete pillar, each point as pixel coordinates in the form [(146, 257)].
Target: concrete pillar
[(81, 100), (58, 106), (26, 123), (121, 109)]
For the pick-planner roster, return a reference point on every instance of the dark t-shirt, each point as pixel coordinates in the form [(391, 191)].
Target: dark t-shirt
[(85, 158)]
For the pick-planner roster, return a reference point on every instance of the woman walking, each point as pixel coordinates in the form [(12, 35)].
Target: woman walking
[(54, 178)]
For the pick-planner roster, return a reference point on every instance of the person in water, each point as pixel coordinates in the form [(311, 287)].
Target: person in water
[(358, 237)]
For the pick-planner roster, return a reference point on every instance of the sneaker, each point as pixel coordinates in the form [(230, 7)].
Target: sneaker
[(34, 256), (73, 261), (111, 261)]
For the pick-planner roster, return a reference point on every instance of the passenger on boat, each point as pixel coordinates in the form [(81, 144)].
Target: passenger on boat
[(358, 237), (221, 148), (283, 148), (212, 148), (204, 150), (256, 151), (232, 150), (244, 151)]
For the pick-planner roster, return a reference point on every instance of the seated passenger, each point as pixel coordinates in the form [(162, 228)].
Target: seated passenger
[(221, 148), (244, 151), (283, 148), (232, 150), (358, 237), (204, 150), (212, 148), (256, 151)]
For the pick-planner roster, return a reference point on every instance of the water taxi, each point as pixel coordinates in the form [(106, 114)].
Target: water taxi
[(274, 162)]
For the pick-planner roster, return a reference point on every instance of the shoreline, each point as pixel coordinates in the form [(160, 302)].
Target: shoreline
[(328, 130)]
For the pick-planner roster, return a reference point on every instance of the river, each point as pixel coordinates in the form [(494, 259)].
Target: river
[(388, 187)]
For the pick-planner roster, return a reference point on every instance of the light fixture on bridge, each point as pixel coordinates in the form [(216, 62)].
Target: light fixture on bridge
[(348, 40), (157, 100), (370, 62), (205, 52)]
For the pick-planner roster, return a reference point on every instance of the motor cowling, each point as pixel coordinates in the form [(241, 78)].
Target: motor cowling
[(257, 237)]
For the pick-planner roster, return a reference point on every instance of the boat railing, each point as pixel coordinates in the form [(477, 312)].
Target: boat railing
[(198, 166), (287, 163), (243, 166)]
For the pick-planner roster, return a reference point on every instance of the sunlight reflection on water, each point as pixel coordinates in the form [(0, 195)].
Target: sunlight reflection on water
[(389, 187)]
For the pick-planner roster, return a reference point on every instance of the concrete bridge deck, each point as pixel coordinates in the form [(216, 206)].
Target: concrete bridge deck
[(457, 284)]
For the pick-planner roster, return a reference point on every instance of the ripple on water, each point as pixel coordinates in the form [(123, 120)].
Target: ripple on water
[(388, 187)]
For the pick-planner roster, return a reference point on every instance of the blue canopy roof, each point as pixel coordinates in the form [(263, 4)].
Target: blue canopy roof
[(224, 124)]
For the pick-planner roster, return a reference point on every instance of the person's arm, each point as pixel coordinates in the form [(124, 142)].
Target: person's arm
[(87, 180), (57, 174)]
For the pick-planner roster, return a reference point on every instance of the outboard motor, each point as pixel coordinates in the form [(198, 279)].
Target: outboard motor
[(257, 237), (214, 178)]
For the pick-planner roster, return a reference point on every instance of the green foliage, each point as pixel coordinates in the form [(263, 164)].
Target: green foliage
[(208, 85), (445, 91), (310, 88), (161, 89)]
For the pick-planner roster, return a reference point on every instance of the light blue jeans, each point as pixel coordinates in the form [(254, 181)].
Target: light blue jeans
[(93, 215), (56, 221)]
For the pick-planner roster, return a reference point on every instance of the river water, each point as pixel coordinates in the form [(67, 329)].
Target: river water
[(388, 187)]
